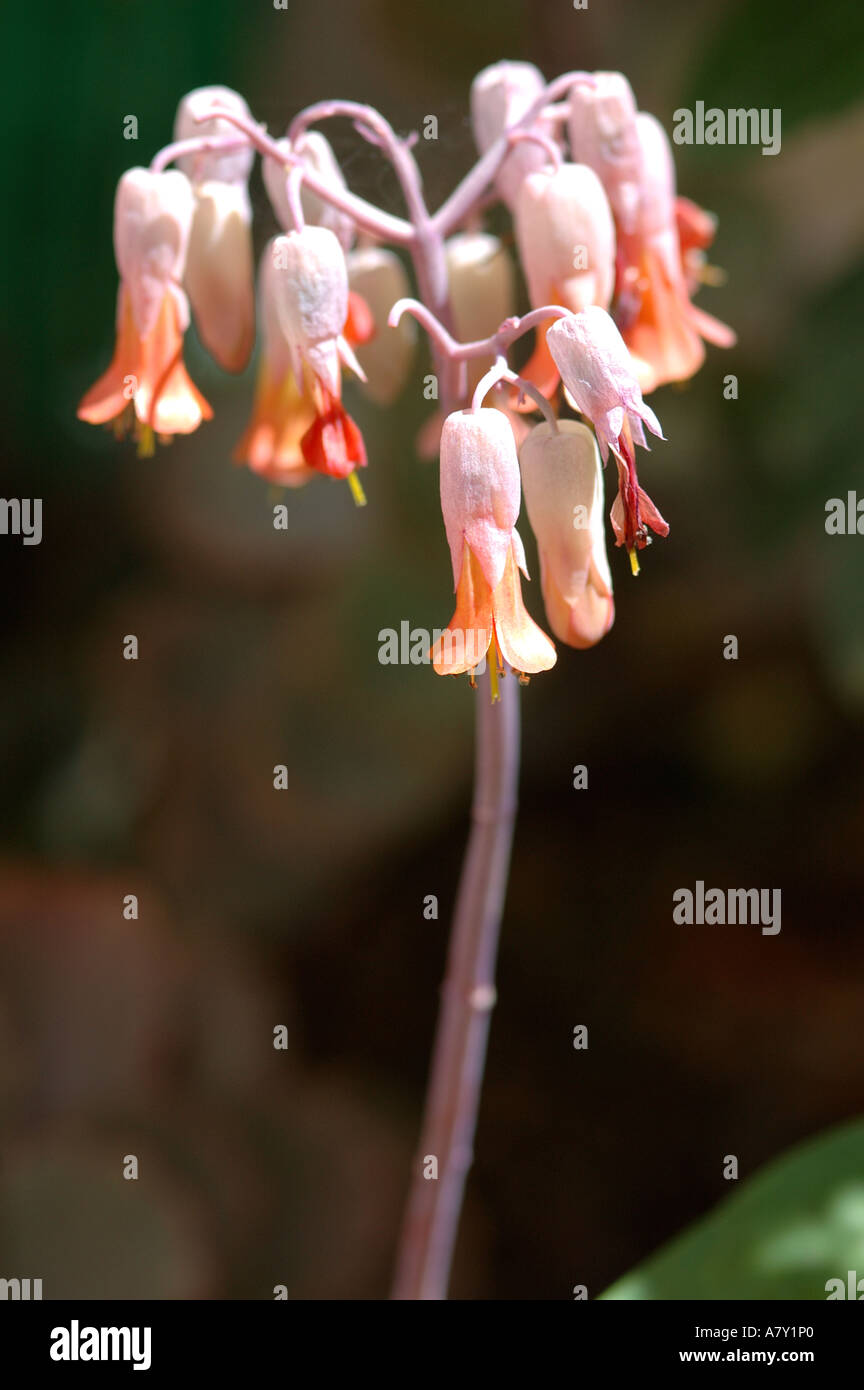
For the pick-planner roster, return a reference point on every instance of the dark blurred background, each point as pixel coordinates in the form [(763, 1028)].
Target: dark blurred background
[(305, 907)]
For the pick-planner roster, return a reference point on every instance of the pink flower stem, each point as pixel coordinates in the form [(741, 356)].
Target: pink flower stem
[(367, 217), (467, 998), (476, 183), (197, 144)]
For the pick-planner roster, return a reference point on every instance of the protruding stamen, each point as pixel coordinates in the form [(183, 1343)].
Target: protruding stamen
[(357, 489), (634, 559), (146, 442), (491, 658)]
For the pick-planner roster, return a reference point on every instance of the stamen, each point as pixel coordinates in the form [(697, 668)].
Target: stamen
[(356, 489), (493, 677), (713, 275), (146, 442), (634, 559)]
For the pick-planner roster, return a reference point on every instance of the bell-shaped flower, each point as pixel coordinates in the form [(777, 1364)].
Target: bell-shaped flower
[(482, 286), (282, 412), (146, 387), (219, 268), (480, 496), (566, 239), (602, 132), (208, 166), (598, 377), (377, 278), (315, 151), (664, 331), (562, 481), (500, 94), (298, 421)]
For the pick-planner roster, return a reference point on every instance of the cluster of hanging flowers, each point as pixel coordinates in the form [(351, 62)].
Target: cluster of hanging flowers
[(611, 257)]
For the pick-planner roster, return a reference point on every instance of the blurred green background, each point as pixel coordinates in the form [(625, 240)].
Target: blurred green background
[(305, 907)]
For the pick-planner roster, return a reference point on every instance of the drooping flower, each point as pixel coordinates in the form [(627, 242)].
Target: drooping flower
[(482, 291), (146, 388), (566, 239), (661, 327), (598, 377), (316, 152), (378, 279), (480, 497), (500, 94), (281, 412), (482, 286), (602, 132), (562, 480), (298, 422), (219, 269)]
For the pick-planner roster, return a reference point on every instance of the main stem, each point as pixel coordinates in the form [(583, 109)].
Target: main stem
[(468, 996)]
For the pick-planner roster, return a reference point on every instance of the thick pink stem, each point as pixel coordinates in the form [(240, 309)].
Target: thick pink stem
[(468, 996)]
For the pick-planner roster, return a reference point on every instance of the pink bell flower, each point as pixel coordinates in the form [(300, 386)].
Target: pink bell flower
[(598, 376)]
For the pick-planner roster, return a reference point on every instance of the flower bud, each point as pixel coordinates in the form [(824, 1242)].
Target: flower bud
[(152, 222), (566, 238), (482, 290), (602, 130), (233, 166), (379, 277), (562, 479), (597, 373), (315, 150), (219, 273), (500, 94)]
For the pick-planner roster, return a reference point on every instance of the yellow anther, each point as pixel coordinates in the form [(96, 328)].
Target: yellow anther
[(146, 442), (634, 560), (357, 490)]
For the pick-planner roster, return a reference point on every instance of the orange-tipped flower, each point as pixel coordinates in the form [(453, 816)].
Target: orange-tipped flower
[(299, 425), (562, 479), (146, 386), (480, 496), (662, 329)]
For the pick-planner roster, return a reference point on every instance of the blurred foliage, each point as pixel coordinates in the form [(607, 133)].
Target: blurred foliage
[(806, 60), (787, 1231)]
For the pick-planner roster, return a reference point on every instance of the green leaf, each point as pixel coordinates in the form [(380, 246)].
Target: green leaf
[(798, 1223)]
